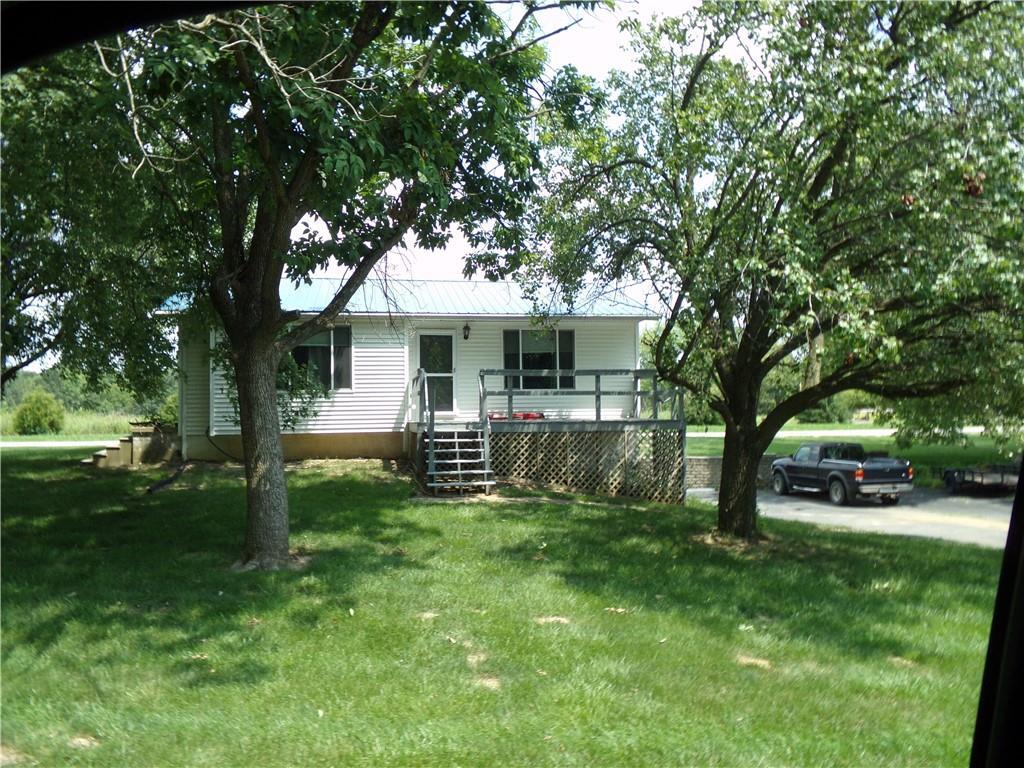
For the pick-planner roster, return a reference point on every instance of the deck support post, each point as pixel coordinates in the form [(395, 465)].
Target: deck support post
[(485, 428)]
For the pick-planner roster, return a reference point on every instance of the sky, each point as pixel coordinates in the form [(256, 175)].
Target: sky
[(594, 46)]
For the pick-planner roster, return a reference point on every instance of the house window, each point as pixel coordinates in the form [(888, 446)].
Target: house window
[(328, 357), (539, 350)]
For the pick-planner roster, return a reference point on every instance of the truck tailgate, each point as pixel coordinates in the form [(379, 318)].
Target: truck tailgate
[(884, 470)]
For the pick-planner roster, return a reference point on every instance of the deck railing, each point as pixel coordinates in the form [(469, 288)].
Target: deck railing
[(659, 394), (665, 400)]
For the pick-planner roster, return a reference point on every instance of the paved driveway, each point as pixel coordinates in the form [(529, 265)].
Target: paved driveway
[(8, 445), (981, 520)]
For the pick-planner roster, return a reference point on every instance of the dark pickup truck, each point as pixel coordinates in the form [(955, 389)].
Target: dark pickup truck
[(844, 470)]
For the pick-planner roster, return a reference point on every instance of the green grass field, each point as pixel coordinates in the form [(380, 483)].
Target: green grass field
[(522, 632), (78, 425), (793, 426)]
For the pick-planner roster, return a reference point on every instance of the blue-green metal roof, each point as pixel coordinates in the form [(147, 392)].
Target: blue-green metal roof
[(449, 298)]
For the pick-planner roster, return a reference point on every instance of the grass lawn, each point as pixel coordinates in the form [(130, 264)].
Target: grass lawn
[(523, 632), (793, 426)]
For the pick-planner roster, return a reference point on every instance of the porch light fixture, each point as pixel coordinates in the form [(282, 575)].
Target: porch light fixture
[(465, 332)]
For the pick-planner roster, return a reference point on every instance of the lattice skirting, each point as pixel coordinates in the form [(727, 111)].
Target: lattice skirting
[(642, 463)]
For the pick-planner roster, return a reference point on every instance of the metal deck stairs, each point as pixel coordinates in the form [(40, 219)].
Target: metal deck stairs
[(458, 460)]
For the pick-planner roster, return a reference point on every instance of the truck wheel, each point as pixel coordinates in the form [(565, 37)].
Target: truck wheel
[(837, 492), (779, 484)]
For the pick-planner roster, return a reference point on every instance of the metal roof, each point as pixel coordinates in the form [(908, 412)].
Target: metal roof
[(449, 298)]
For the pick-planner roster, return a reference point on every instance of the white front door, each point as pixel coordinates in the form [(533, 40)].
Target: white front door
[(437, 359)]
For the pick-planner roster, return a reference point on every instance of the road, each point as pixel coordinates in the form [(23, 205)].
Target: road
[(12, 444), (981, 520)]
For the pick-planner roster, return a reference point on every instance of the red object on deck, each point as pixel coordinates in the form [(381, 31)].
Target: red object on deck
[(522, 416)]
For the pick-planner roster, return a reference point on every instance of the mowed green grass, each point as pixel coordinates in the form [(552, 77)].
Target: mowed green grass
[(522, 632)]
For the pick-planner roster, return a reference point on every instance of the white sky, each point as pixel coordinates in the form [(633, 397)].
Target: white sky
[(594, 46)]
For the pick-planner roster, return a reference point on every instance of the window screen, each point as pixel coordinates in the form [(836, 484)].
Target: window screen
[(567, 358), (314, 354), (343, 358), (327, 357), (538, 352), (510, 343)]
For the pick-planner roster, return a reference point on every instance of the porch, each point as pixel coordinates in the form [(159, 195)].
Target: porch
[(631, 443), (660, 406)]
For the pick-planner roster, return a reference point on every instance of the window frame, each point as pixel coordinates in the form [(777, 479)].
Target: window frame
[(560, 381), (351, 358)]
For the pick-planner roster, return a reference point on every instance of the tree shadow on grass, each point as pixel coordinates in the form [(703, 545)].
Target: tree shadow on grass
[(854, 593), (87, 555)]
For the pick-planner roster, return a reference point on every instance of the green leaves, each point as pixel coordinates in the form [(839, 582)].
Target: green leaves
[(76, 247), (790, 171)]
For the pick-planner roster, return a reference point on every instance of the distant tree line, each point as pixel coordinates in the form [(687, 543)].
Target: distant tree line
[(75, 393)]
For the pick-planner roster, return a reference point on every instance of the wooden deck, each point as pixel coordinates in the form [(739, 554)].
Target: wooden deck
[(640, 455)]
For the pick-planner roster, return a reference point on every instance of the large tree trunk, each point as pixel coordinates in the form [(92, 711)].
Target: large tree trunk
[(266, 530), (737, 492)]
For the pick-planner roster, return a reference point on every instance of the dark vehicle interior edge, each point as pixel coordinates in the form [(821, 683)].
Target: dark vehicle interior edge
[(30, 31)]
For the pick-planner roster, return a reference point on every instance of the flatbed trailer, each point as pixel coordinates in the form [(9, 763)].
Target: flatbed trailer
[(989, 477)]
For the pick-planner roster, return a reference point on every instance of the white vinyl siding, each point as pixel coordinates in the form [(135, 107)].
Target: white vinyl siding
[(600, 343), (385, 358), (195, 389), (377, 400)]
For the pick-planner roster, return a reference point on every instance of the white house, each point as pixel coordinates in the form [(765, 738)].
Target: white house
[(403, 345)]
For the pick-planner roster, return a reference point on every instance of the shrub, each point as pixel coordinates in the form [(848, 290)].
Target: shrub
[(699, 412), (829, 411), (167, 416), (40, 413), (857, 400)]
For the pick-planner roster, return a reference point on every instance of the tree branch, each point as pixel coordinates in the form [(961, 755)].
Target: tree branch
[(403, 214)]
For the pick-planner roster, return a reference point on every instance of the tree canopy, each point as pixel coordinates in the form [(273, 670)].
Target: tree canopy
[(382, 120), (80, 270), (839, 186)]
